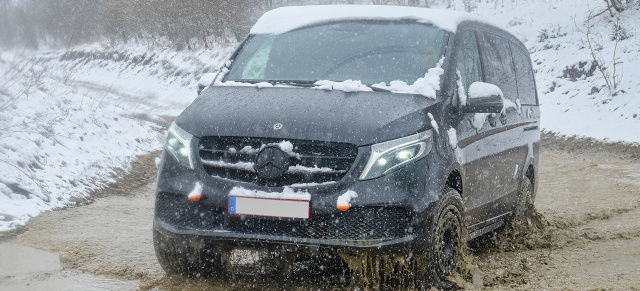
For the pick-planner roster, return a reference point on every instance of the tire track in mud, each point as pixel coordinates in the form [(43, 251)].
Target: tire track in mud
[(589, 193)]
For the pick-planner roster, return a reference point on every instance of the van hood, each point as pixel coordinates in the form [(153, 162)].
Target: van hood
[(360, 118)]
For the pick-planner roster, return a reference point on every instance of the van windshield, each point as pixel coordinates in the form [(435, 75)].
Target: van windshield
[(369, 51)]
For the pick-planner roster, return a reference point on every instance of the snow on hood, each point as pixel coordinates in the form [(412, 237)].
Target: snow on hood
[(285, 19), (347, 86)]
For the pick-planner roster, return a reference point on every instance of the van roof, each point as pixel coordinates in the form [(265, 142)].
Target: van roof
[(288, 18)]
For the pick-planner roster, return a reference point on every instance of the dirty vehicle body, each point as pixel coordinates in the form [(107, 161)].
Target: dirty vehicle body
[(284, 150)]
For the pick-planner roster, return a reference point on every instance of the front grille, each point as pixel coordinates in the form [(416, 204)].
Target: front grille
[(310, 162), (356, 224)]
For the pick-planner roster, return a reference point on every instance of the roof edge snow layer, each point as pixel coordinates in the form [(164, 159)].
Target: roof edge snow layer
[(288, 18)]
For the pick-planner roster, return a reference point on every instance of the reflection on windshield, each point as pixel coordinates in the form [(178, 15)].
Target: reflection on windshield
[(369, 51)]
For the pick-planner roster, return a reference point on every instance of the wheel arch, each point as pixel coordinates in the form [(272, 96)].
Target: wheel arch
[(454, 179)]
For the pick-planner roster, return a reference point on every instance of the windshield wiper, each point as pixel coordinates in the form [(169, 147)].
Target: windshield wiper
[(301, 83), (378, 89)]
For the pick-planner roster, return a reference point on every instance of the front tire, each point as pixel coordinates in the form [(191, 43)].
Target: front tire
[(189, 257), (449, 239)]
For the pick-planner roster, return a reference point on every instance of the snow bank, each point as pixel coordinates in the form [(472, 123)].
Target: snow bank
[(93, 111), (286, 194), (285, 19), (60, 142)]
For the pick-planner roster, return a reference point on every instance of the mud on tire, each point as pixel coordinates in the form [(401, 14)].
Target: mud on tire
[(449, 241), (188, 257), (525, 202)]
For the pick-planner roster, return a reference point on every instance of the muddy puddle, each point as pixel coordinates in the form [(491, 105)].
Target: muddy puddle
[(26, 268), (586, 236)]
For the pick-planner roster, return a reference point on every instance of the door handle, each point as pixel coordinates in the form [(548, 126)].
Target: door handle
[(493, 120)]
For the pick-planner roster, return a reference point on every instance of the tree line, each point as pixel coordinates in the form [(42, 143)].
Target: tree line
[(185, 24), (34, 23)]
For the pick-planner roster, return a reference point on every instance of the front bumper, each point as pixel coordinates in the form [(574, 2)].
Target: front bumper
[(232, 240), (385, 218)]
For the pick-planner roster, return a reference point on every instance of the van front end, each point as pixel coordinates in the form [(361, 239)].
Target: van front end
[(274, 193)]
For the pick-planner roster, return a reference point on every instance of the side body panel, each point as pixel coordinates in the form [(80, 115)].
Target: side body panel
[(494, 150)]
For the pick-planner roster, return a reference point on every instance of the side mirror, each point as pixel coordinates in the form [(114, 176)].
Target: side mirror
[(205, 81), (484, 98)]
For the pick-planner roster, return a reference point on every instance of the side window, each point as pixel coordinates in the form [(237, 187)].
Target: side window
[(468, 59), (467, 62), (524, 73), (499, 69)]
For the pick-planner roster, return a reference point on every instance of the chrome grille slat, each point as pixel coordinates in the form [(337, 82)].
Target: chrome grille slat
[(313, 162)]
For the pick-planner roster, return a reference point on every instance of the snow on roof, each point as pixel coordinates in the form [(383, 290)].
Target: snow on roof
[(288, 18)]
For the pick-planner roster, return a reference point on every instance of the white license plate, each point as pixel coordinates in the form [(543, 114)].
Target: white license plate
[(268, 207)]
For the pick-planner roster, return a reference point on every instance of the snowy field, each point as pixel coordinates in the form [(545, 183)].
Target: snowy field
[(72, 120)]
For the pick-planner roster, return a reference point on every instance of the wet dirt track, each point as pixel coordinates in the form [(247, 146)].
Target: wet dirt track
[(589, 192)]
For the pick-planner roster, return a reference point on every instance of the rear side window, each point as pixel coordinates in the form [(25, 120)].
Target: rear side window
[(499, 69), (524, 73)]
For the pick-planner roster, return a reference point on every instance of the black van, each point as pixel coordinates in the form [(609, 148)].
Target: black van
[(379, 130)]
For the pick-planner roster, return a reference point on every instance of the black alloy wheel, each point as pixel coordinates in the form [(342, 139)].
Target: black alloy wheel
[(449, 240)]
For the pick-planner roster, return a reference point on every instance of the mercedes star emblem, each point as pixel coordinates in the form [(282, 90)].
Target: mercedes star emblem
[(277, 126), (271, 163)]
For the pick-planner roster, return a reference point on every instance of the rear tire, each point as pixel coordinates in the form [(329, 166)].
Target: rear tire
[(189, 257), (525, 200)]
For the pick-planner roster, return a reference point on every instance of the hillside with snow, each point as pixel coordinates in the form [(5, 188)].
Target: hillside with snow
[(574, 98), (73, 119)]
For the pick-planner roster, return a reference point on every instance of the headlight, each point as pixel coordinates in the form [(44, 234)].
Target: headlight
[(178, 144), (390, 155)]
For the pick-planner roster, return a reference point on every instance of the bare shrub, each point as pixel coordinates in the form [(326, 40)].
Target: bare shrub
[(608, 70)]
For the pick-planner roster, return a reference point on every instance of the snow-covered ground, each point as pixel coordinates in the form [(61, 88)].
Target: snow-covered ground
[(93, 109)]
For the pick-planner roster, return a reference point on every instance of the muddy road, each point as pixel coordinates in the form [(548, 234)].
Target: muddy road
[(589, 193)]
